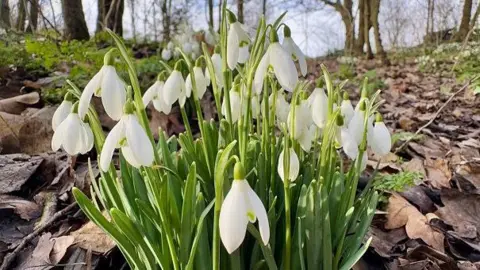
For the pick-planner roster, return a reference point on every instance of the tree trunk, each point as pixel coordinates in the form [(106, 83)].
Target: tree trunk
[(264, 8), (22, 13), (475, 17), (132, 20), (240, 10), (361, 28), (75, 26), (100, 15), (465, 23), (210, 14), (345, 11), (166, 20), (368, 25), (110, 15), (374, 11), (33, 21), (5, 14)]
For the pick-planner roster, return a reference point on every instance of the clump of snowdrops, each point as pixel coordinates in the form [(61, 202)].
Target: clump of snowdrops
[(263, 187)]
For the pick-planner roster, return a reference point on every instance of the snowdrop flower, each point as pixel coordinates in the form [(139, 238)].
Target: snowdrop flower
[(170, 46), (235, 105), (73, 134), (174, 88), (62, 112), (241, 206), (346, 139), (306, 137), (237, 38), (195, 48), (243, 54), (356, 126), (294, 168), (200, 80), (154, 94), (292, 48), (217, 68), (187, 47), (380, 140), (281, 61), (347, 108), (166, 54), (282, 107), (107, 85), (319, 107), (210, 37), (128, 135), (299, 123)]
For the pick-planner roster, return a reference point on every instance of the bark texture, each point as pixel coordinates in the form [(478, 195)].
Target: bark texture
[(75, 25)]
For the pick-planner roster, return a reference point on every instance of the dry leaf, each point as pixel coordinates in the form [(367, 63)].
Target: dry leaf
[(461, 210), (40, 257), (90, 236), (438, 173), (15, 170), (402, 213), (61, 244), (18, 104), (25, 209)]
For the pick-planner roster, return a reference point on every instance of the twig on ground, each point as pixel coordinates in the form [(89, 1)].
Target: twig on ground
[(435, 115), (11, 256)]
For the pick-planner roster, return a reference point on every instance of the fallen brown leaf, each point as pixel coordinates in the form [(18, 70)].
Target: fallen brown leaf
[(438, 173), (25, 209), (402, 213), (18, 104), (15, 170), (90, 236), (61, 244)]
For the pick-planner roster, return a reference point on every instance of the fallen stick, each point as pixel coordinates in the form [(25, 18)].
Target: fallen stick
[(11, 256), (435, 115)]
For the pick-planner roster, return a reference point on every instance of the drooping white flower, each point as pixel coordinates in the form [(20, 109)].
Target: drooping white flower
[(200, 81), (356, 126), (294, 168), (235, 105), (348, 142), (236, 39), (283, 67), (282, 107), (241, 206), (128, 135), (306, 137), (170, 45), (381, 141), (187, 47), (155, 95), (217, 68), (243, 55), (166, 54), (110, 87), (62, 112), (347, 110), (302, 121), (292, 48), (319, 107), (174, 89), (73, 135), (210, 37), (196, 48)]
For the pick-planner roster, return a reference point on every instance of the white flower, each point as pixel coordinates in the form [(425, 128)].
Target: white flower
[(294, 169), (155, 95), (282, 107), (174, 89), (170, 45), (187, 47), (292, 48), (243, 54), (283, 67), (235, 106), (128, 135), (73, 135), (200, 81), (236, 38), (306, 137), (61, 113), (217, 68), (347, 110), (348, 142), (356, 126), (302, 121), (195, 48), (381, 142), (108, 85), (241, 206), (166, 54), (210, 37), (319, 107)]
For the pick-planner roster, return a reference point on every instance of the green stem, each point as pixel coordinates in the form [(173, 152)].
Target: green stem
[(288, 229), (216, 232), (188, 129)]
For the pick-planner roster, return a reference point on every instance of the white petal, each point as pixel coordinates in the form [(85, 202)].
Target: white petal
[(150, 94), (200, 82), (347, 111), (113, 93), (89, 139), (260, 213), (207, 77), (130, 156), (292, 48), (166, 54), (306, 138), (232, 48), (302, 121), (241, 33), (173, 87), (382, 141), (320, 108), (188, 86), (260, 73), (356, 126), (73, 135), (364, 161), (283, 66), (59, 134), (282, 108), (61, 113), (217, 66), (235, 106), (288, 45), (349, 144), (243, 54), (233, 218), (294, 166), (92, 86), (111, 142), (138, 141)]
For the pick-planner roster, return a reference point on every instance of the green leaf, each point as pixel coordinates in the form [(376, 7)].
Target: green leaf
[(188, 214), (198, 234), (351, 261)]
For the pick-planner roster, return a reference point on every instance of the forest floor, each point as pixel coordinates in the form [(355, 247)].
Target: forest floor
[(429, 216)]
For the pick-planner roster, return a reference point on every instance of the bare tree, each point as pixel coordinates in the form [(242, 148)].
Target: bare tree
[(240, 10), (21, 16), (166, 19), (374, 6), (132, 19), (345, 10), (465, 23), (75, 25), (110, 15), (33, 16), (5, 14), (210, 14)]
